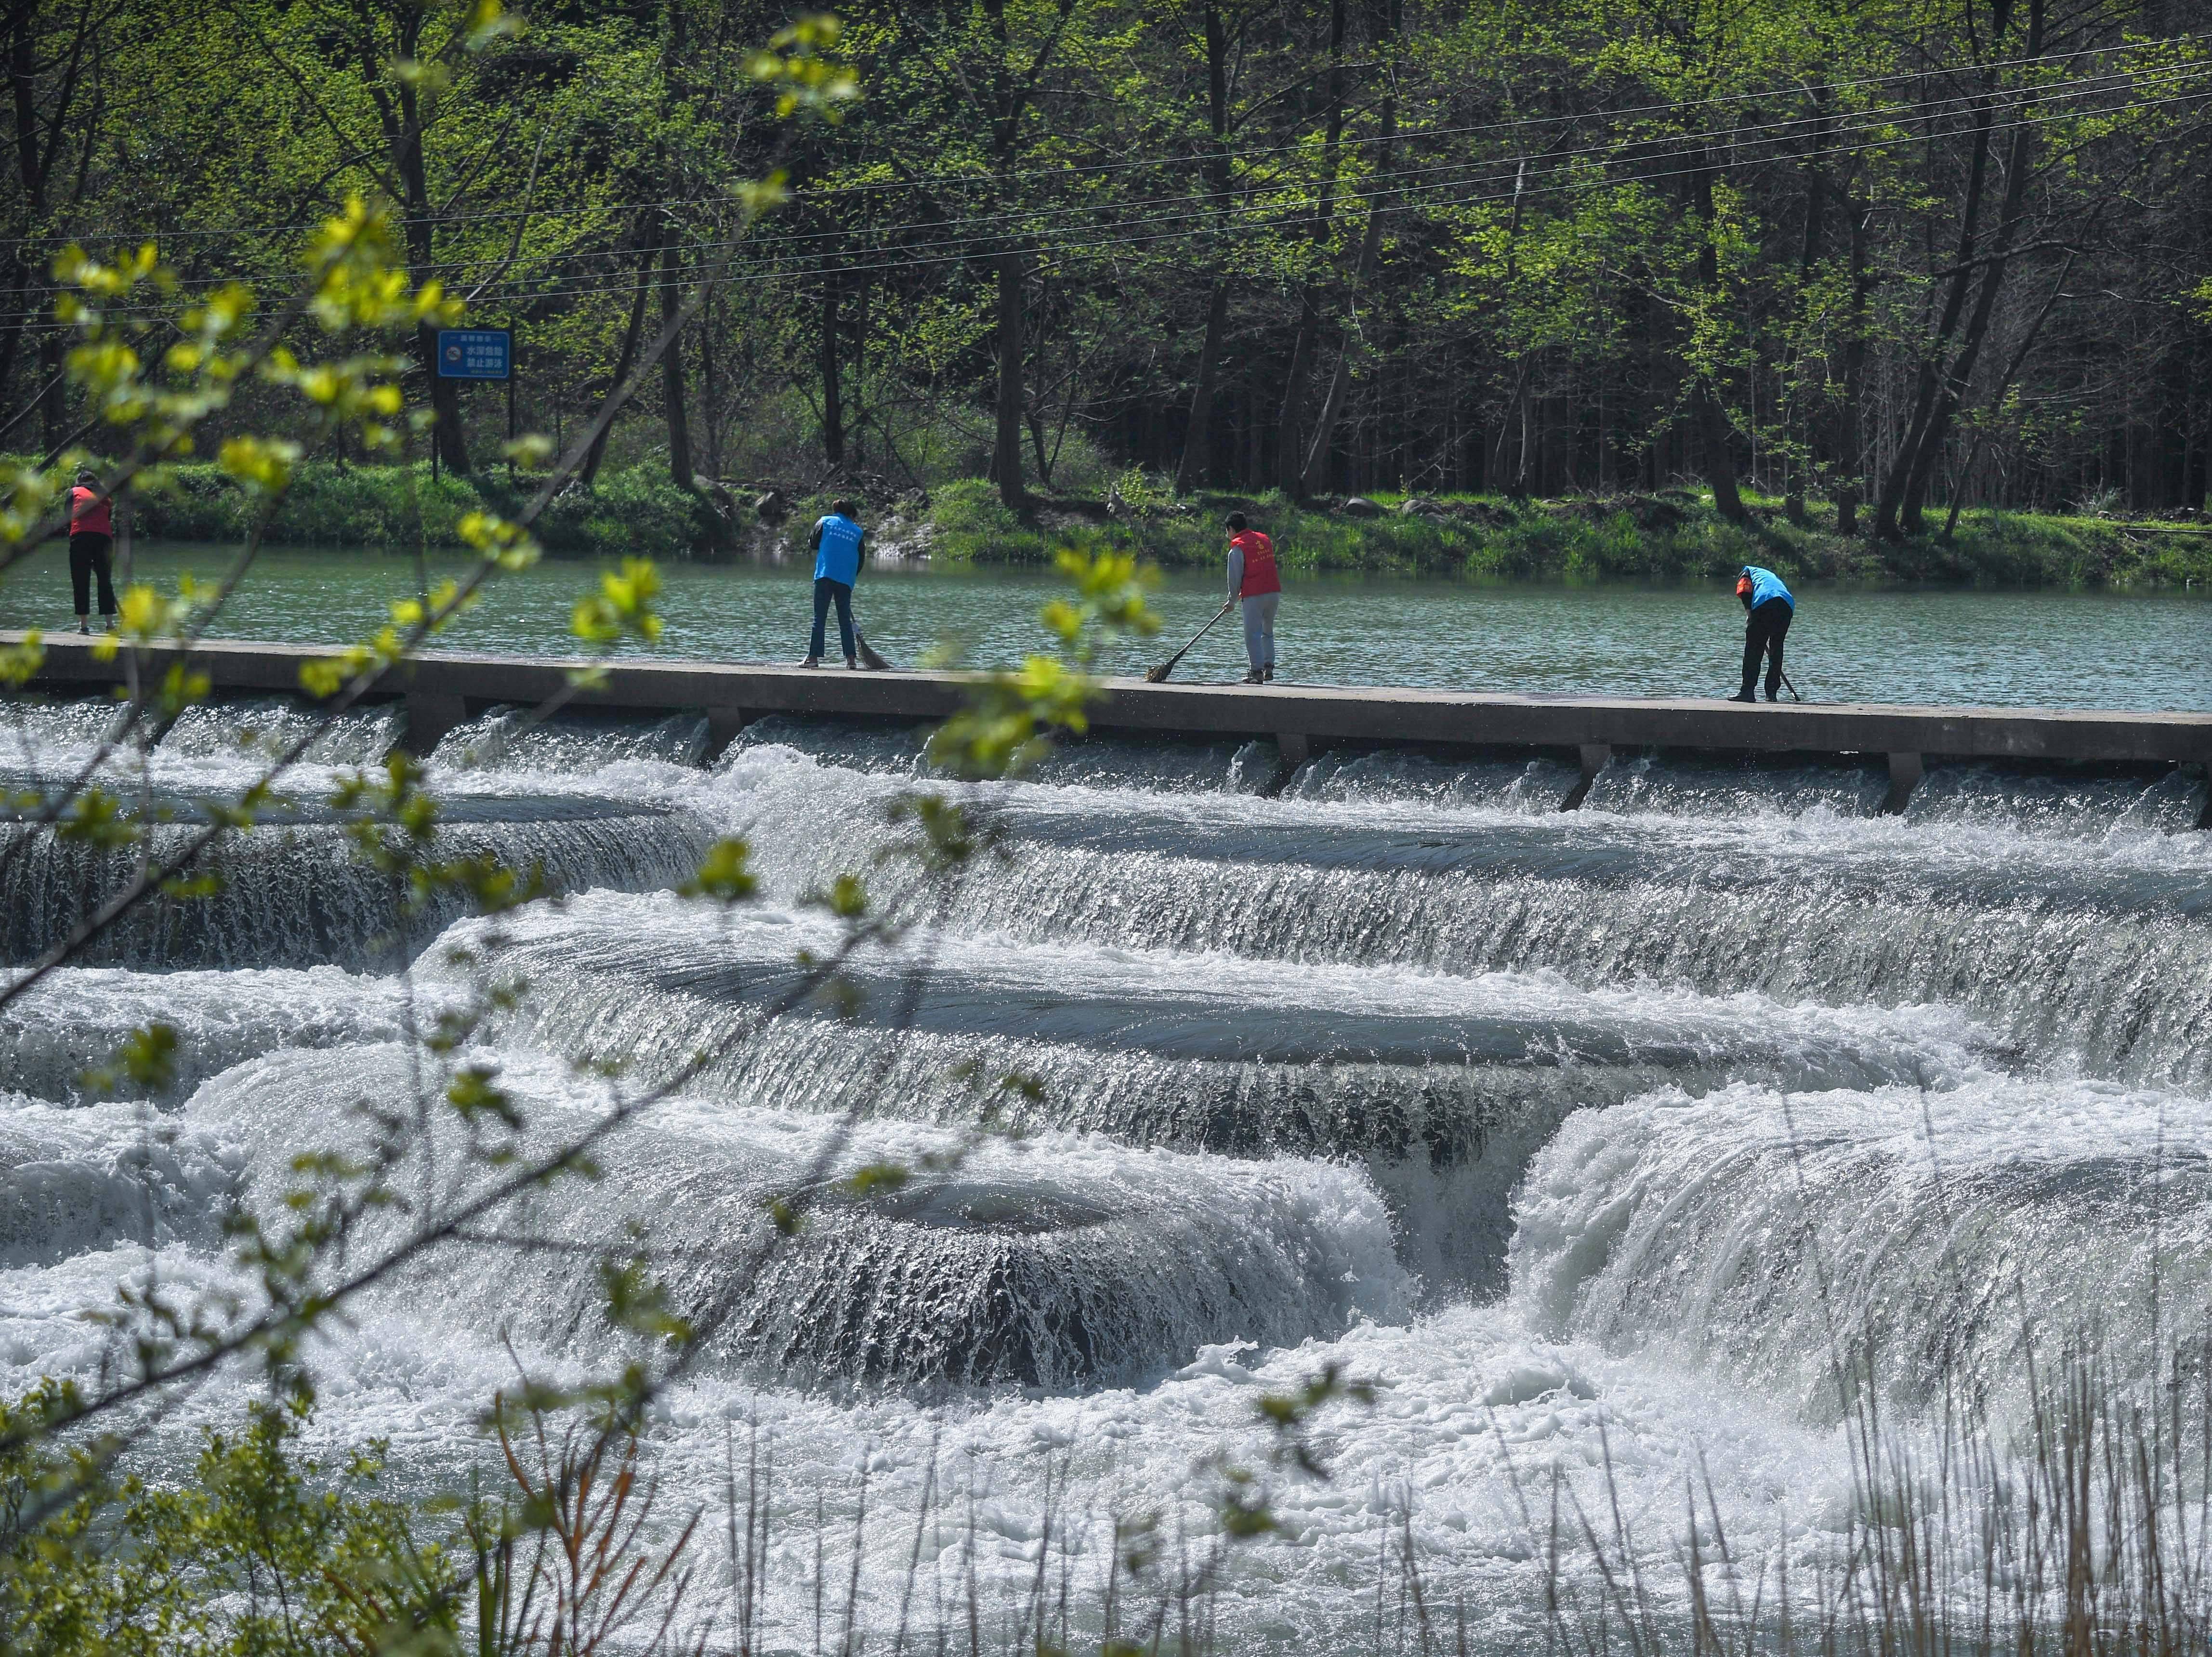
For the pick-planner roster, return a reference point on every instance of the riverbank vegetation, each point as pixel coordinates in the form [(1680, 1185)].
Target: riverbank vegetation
[(1676, 535)]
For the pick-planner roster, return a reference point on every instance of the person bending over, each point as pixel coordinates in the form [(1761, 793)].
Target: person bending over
[(1768, 605), (1252, 578), (91, 541), (837, 542)]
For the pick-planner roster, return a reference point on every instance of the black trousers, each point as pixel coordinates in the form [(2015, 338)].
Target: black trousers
[(1763, 634), (825, 591), (88, 551)]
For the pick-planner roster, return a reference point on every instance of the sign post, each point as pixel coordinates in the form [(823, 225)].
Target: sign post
[(479, 354)]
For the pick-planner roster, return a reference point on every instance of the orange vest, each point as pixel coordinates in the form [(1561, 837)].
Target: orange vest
[(1260, 575), (89, 513)]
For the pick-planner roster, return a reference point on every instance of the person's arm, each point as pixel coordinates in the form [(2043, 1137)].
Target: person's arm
[(1235, 569), (814, 541)]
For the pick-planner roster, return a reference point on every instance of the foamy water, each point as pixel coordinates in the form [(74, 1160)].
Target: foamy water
[(1596, 1141)]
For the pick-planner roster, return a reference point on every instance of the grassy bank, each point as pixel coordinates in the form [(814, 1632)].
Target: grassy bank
[(398, 509), (1672, 537)]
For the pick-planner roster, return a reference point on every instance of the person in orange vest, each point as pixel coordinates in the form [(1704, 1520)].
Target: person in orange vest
[(1253, 578), (91, 541)]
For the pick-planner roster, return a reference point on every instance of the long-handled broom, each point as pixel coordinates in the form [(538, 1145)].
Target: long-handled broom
[(868, 657), (1159, 675)]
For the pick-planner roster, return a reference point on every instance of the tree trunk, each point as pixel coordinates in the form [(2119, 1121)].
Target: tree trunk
[(628, 355), (1713, 430), (1953, 389), (1316, 467), (1007, 449), (1899, 478), (1197, 437), (1316, 472), (405, 137), (833, 412), (53, 397), (710, 405), (1289, 421), (671, 375), (1802, 403), (1850, 439), (1289, 469), (1190, 470)]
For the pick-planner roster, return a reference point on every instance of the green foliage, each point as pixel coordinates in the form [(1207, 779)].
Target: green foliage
[(264, 1549), (401, 508), (1672, 537)]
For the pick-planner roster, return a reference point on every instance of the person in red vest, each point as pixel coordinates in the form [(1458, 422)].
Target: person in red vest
[(92, 539), (1252, 578)]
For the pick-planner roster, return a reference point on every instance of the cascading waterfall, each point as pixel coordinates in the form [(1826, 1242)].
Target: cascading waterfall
[(1599, 1140), (289, 892), (61, 1036), (1920, 1234), (2097, 950), (1443, 1087), (1048, 1262)]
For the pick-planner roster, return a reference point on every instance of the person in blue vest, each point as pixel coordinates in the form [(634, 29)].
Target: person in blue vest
[(1768, 606), (837, 543)]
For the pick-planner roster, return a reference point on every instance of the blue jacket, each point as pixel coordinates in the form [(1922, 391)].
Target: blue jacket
[(1765, 585), (837, 549)]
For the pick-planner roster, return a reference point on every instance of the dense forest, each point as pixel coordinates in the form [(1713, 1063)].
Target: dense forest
[(1893, 256)]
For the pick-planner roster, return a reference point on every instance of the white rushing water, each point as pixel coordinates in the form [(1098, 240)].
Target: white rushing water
[(1590, 1140)]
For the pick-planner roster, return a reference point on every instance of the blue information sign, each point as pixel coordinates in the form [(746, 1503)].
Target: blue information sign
[(474, 353)]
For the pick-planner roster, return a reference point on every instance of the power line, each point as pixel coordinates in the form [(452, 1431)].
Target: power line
[(1213, 205), (1408, 199), (1412, 135), (907, 255)]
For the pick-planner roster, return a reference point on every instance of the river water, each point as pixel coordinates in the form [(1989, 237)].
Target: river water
[(1578, 1135), (2010, 648)]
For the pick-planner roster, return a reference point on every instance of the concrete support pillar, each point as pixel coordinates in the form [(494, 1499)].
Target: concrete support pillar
[(2204, 817), (1904, 775), (723, 725), (1595, 757), (430, 715), (1295, 749)]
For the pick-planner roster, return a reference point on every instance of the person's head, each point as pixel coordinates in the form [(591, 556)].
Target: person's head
[(86, 476), (1238, 524), (844, 508)]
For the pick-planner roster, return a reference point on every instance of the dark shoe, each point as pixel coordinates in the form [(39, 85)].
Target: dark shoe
[(1771, 697), (1269, 671), (1255, 677), (1743, 696), (811, 661), (852, 664)]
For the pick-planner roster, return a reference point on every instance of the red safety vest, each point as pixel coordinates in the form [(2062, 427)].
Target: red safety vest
[(89, 513), (1259, 574)]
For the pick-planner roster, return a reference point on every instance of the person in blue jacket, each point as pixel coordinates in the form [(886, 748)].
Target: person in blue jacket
[(1769, 607), (837, 542)]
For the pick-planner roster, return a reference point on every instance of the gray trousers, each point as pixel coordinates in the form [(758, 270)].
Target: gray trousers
[(1259, 629)]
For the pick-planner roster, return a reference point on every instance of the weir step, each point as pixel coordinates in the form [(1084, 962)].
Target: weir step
[(440, 686)]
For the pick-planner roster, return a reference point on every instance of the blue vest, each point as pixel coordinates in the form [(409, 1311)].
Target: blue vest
[(838, 558), (1764, 585)]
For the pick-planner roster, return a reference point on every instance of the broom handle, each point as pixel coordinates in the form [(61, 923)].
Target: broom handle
[(1200, 633)]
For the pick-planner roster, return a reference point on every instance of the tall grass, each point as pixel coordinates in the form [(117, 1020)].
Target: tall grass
[(2075, 1522)]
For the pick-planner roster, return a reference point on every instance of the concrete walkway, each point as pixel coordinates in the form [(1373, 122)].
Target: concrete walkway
[(442, 689)]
